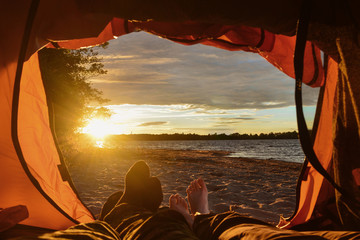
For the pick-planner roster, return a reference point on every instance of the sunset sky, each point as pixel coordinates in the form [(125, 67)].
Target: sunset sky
[(157, 86)]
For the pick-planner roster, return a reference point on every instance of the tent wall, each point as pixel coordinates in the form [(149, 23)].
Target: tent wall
[(36, 162), (28, 157), (312, 182), (29, 160), (38, 145)]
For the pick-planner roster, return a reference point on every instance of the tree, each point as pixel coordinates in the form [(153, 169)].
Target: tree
[(66, 76)]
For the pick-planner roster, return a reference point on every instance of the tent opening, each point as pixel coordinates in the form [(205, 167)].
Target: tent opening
[(194, 90)]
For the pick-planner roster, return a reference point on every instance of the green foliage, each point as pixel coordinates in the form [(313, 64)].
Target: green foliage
[(65, 74)]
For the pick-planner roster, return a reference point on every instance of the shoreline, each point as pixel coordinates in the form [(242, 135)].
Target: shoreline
[(288, 150), (263, 189)]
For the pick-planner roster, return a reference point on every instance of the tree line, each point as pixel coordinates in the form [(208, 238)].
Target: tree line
[(193, 136)]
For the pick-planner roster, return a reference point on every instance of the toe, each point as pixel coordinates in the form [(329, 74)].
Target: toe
[(197, 186), (172, 199), (202, 184), (178, 198), (193, 185)]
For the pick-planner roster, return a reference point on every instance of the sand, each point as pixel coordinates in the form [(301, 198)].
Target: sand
[(263, 189)]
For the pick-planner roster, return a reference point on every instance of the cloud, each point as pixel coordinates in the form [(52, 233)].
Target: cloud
[(111, 57), (188, 119), (226, 124), (143, 69), (146, 124), (223, 128), (148, 82), (244, 118), (114, 60), (226, 121), (209, 112)]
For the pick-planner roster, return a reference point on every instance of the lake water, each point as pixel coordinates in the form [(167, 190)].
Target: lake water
[(277, 149)]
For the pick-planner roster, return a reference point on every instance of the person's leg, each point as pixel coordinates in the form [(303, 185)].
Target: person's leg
[(132, 222), (205, 224), (90, 231), (138, 184), (166, 224), (152, 194), (136, 214), (211, 226), (110, 204), (231, 225), (177, 203), (140, 189)]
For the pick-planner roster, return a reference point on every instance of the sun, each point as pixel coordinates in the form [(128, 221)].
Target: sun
[(98, 128)]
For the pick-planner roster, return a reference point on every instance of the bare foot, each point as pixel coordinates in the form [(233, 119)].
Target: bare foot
[(197, 194), (179, 204)]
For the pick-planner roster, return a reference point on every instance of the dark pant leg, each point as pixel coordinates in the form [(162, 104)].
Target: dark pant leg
[(232, 225), (110, 204), (336, 235), (132, 222), (86, 231), (211, 226)]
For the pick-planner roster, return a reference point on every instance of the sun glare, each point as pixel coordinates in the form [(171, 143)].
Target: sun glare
[(98, 128)]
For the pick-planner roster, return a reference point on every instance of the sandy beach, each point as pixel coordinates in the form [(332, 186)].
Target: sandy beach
[(264, 189)]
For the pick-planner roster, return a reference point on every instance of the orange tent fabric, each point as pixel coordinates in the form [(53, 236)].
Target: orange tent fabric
[(29, 158), (312, 181), (20, 179)]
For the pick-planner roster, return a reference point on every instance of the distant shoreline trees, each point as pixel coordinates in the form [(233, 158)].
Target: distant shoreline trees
[(193, 136)]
